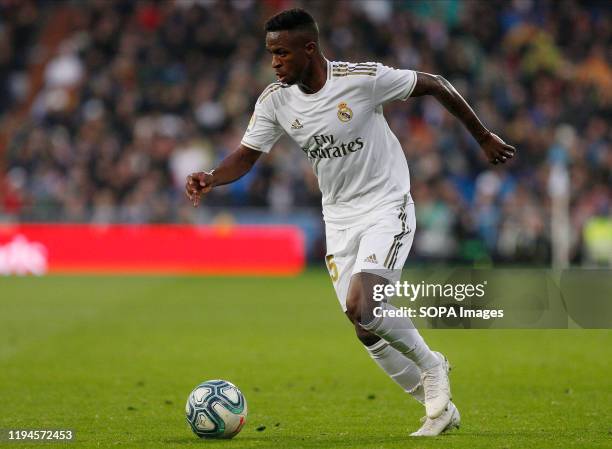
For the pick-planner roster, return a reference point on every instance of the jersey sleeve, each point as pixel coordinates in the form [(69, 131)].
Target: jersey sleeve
[(393, 84), (263, 130)]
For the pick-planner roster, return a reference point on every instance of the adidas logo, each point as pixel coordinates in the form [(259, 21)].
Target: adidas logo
[(296, 125), (371, 258)]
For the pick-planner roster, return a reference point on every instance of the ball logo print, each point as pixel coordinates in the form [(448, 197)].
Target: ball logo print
[(216, 409)]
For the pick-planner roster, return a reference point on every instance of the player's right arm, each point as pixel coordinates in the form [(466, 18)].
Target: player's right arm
[(232, 168), (261, 134)]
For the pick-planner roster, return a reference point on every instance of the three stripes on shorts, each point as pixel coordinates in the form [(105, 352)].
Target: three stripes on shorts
[(391, 258)]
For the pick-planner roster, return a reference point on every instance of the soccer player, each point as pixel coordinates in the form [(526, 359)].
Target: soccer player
[(333, 111)]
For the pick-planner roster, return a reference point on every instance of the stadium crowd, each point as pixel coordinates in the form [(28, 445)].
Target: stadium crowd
[(139, 94)]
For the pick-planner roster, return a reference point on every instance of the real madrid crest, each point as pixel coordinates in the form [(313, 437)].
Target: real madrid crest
[(344, 112)]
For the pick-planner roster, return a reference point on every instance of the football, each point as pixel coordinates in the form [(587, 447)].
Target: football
[(216, 409)]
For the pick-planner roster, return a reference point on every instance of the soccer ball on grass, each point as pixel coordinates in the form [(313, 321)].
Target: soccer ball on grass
[(216, 409)]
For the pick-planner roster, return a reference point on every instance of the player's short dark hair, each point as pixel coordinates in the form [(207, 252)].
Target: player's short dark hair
[(293, 19)]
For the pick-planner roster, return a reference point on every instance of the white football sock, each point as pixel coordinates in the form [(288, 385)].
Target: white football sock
[(400, 368), (401, 334)]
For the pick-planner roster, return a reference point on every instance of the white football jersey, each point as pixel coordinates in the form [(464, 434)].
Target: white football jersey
[(358, 161)]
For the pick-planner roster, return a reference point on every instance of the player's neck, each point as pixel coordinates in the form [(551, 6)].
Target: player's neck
[(316, 78)]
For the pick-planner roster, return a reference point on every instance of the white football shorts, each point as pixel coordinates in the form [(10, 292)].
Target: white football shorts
[(380, 245)]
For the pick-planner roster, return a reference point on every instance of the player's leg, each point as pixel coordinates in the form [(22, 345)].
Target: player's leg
[(342, 249), (399, 332), (389, 242), (398, 367), (407, 375)]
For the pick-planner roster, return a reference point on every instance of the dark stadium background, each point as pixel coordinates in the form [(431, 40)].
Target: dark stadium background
[(106, 106)]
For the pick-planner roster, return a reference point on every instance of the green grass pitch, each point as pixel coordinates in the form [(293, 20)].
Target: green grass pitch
[(114, 358)]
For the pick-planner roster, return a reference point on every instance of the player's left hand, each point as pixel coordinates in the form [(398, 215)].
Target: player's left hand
[(496, 149)]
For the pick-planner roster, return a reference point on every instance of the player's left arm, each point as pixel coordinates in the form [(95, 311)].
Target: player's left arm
[(494, 147)]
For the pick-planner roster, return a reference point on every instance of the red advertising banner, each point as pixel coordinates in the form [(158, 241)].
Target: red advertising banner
[(163, 249)]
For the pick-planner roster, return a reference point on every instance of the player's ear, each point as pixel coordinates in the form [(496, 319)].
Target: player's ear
[(311, 48)]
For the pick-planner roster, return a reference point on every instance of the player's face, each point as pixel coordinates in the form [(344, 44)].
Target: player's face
[(291, 55)]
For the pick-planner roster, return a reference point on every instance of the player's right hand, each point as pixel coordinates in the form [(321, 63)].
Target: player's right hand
[(197, 185)]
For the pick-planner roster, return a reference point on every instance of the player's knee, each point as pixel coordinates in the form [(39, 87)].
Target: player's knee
[(367, 338), (353, 308)]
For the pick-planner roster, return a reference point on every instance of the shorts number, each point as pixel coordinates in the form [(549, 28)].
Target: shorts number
[(332, 267)]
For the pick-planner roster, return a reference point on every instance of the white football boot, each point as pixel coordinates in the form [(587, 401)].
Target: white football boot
[(448, 420), (436, 387)]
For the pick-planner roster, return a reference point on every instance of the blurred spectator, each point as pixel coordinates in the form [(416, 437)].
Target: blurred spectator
[(139, 94)]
